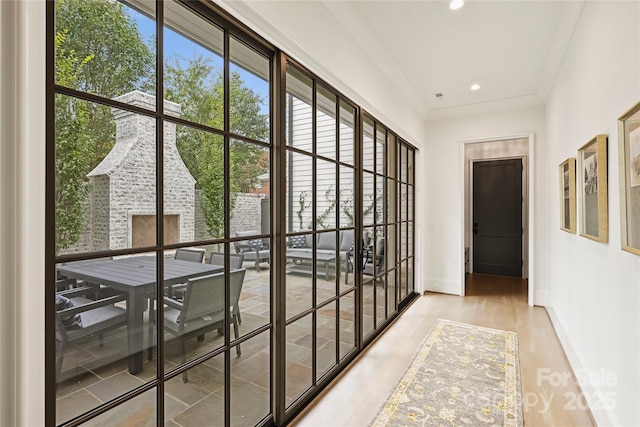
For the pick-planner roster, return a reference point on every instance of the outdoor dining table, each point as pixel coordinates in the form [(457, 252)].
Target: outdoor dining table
[(136, 276)]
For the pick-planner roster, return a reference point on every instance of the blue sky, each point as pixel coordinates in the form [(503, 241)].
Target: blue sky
[(178, 45)]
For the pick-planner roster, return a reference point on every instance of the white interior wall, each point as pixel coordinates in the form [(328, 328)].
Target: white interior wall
[(594, 288), (441, 202)]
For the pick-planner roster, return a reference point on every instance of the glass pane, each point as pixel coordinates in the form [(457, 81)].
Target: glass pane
[(326, 196), (410, 239), (403, 240), (389, 241), (403, 163), (381, 154), (139, 411), (403, 285), (298, 281), (325, 339), (410, 278), (380, 200), (392, 162), (347, 133), (299, 192), (299, 110), (100, 350), (345, 194), (299, 288), (380, 288), (201, 399), (93, 40), (367, 145), (347, 323), (299, 357), (193, 67), (105, 173), (403, 202), (346, 259), (250, 184), (195, 193), (368, 198), (326, 144), (327, 259), (391, 293), (391, 197), (410, 214), (410, 167), (255, 298), (368, 289), (250, 381), (249, 97)]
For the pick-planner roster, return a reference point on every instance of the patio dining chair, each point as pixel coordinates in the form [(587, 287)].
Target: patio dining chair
[(189, 254), (78, 317), (203, 309), (235, 262)]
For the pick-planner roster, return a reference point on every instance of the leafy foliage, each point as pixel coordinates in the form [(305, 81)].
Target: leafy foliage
[(199, 87), (98, 50), (73, 147), (120, 60)]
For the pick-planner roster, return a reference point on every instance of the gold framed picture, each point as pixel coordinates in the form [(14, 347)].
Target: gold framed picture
[(629, 157), (568, 195), (594, 215)]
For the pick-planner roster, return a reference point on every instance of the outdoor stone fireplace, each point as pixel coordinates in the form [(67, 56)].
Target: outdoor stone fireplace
[(123, 195)]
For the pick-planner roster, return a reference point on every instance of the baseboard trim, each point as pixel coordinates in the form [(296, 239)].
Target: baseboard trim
[(601, 416)]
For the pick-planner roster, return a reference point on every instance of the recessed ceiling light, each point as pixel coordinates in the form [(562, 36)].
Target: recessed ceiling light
[(475, 86), (456, 4)]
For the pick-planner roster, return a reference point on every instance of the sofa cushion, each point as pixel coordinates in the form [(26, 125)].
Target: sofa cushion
[(327, 240)]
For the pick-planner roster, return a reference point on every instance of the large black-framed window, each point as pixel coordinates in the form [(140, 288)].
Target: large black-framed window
[(179, 141)]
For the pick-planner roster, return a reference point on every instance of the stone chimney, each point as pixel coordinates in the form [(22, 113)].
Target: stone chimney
[(124, 184)]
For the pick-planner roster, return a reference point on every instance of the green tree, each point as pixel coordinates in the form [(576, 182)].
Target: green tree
[(121, 61), (73, 147), (198, 87)]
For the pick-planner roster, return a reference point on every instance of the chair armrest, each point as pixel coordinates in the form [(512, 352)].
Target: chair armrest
[(76, 292), (91, 305), (173, 303)]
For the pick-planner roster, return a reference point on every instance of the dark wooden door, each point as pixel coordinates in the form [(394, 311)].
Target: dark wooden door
[(497, 217)]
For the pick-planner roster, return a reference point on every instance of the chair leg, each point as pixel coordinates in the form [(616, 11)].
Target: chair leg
[(235, 330), (152, 320), (236, 311)]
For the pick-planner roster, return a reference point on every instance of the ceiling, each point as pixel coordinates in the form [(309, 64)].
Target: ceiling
[(512, 49)]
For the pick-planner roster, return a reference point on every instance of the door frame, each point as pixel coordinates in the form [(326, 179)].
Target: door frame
[(528, 208)]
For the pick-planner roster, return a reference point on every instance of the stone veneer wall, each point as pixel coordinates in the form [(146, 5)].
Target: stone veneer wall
[(246, 215), (130, 174), (123, 185)]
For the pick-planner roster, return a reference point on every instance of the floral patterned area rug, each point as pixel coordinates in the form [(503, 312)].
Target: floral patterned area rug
[(463, 375)]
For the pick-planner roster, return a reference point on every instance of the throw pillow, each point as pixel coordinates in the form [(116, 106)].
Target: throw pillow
[(71, 320)]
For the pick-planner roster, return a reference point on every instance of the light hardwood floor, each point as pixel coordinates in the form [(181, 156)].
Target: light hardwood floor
[(494, 302)]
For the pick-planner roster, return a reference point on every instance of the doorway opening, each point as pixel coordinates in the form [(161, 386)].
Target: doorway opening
[(497, 237)]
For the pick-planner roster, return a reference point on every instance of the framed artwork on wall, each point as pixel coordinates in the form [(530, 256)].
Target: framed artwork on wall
[(568, 195), (629, 156), (592, 162)]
